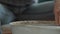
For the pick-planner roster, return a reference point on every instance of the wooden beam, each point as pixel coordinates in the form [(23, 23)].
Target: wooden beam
[(57, 11)]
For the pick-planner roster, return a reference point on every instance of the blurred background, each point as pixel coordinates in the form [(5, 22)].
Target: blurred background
[(25, 10)]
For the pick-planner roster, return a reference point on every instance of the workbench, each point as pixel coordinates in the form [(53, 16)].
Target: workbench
[(7, 28)]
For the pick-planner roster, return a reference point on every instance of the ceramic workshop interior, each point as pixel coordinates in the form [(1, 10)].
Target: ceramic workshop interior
[(50, 18)]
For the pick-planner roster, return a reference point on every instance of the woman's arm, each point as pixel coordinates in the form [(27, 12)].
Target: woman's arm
[(6, 16)]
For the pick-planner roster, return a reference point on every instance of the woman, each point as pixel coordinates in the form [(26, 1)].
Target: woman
[(12, 8)]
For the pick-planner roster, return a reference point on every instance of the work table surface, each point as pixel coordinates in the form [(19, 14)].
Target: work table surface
[(6, 29)]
